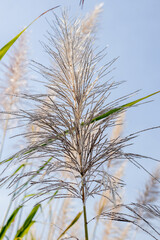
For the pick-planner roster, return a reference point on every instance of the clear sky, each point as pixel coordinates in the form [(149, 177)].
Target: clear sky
[(132, 31)]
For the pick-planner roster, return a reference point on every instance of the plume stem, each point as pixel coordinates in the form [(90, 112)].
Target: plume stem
[(85, 215)]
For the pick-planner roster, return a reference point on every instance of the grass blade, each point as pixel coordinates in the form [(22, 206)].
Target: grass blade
[(25, 231), (53, 196), (114, 110), (71, 224), (28, 223), (39, 194), (10, 220), (19, 168), (4, 49)]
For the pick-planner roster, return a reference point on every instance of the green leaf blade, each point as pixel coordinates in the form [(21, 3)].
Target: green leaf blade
[(127, 105), (5, 48), (28, 223), (25, 230), (71, 224), (9, 222)]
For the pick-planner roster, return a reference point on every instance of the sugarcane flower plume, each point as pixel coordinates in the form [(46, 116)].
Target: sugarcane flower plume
[(69, 150)]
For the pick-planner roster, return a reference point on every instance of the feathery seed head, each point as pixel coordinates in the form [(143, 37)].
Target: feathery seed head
[(66, 135)]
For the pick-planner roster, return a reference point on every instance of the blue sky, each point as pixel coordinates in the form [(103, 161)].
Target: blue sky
[(132, 31)]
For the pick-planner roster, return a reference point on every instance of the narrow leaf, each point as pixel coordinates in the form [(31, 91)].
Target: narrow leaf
[(71, 224), (39, 194), (53, 196), (4, 49), (19, 168), (10, 220), (29, 195), (114, 110), (25, 231), (28, 223)]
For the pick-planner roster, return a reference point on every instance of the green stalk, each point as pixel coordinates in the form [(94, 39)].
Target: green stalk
[(84, 211), (84, 202), (85, 222)]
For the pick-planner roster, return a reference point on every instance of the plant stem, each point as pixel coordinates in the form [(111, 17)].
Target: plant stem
[(79, 150), (84, 211), (85, 222)]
